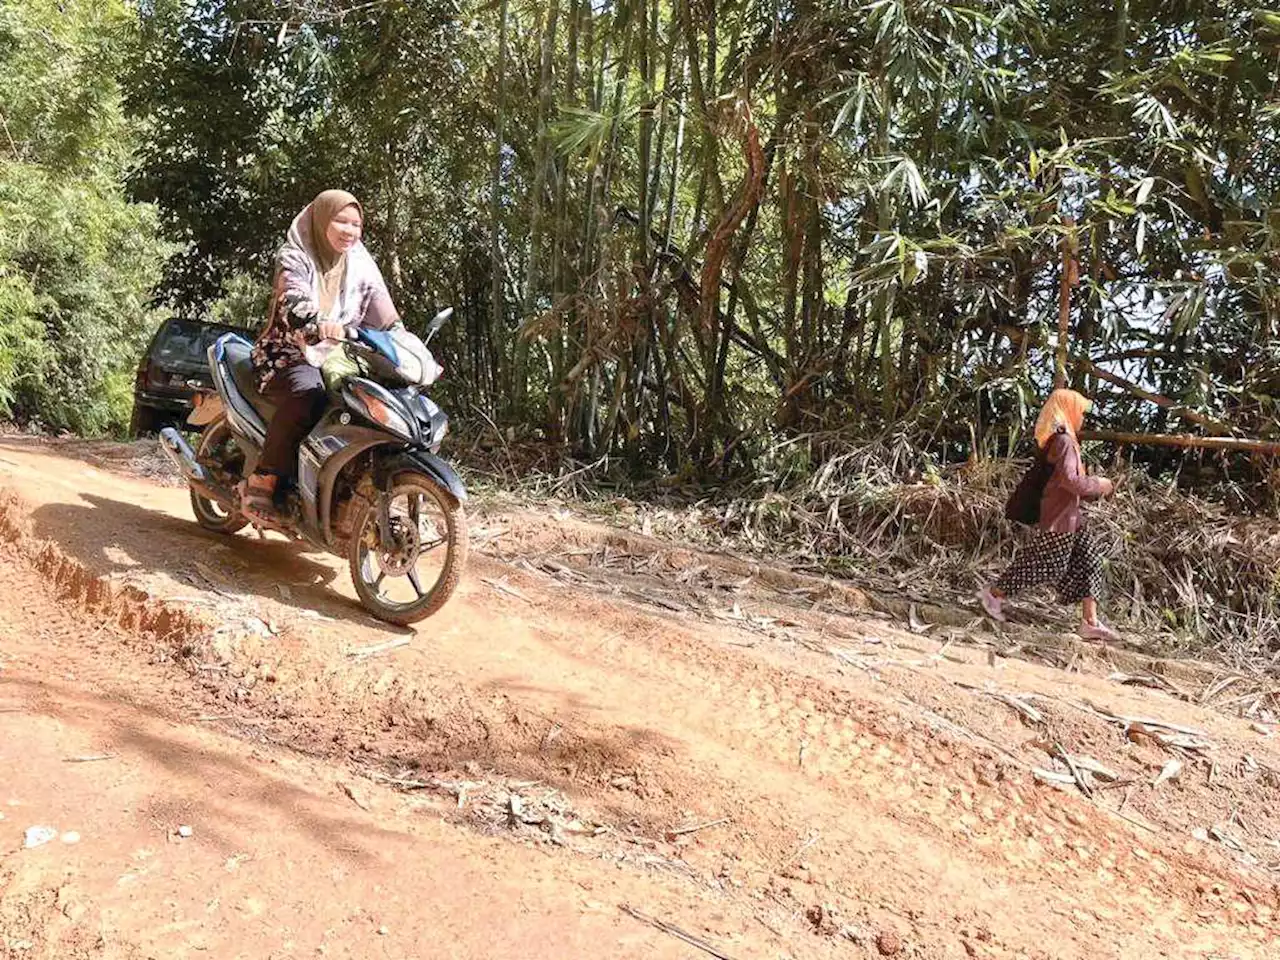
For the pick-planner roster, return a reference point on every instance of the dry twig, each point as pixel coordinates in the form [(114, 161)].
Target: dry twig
[(1024, 709), (503, 587), (1081, 777), (675, 931), (362, 653), (682, 831)]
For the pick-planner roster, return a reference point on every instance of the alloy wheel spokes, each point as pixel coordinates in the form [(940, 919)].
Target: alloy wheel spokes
[(405, 572)]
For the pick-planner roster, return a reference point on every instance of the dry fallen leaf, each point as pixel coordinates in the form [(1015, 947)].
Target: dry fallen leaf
[(1171, 770), (915, 624)]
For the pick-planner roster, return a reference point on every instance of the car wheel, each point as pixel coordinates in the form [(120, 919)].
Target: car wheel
[(146, 422)]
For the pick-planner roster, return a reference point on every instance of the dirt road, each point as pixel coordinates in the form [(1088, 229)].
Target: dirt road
[(605, 746)]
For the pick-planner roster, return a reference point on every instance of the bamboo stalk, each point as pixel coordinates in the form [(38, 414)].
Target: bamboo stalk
[(1172, 406), (1214, 426), (1263, 447), (497, 318), (1068, 280)]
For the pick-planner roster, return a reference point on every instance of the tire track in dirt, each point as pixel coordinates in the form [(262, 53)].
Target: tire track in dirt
[(280, 863), (133, 610), (949, 805), (882, 822)]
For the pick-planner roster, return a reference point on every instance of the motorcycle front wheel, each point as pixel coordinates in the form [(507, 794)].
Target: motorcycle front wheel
[(409, 571)]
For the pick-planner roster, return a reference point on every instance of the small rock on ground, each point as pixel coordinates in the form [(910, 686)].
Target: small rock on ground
[(888, 943), (39, 836)]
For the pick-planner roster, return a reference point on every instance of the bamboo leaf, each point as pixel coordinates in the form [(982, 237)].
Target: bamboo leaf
[(1144, 190)]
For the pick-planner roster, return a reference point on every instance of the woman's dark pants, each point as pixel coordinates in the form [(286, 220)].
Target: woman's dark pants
[(300, 398)]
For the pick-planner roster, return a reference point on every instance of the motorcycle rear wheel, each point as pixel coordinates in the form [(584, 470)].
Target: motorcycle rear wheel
[(427, 523), (210, 514)]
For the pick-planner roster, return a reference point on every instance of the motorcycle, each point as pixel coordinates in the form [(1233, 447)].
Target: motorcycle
[(371, 486)]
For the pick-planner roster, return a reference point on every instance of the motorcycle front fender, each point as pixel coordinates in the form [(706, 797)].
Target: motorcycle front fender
[(433, 466)]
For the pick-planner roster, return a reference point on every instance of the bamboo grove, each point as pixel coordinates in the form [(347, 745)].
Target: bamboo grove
[(677, 231)]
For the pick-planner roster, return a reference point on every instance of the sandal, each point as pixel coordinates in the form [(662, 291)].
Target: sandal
[(993, 605), (1099, 631), (258, 500)]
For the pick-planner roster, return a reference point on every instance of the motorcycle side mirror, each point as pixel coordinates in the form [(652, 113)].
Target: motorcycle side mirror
[(438, 321)]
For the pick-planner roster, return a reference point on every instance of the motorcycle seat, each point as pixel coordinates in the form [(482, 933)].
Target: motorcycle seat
[(238, 354)]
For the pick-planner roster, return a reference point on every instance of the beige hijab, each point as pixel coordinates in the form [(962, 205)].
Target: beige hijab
[(1064, 408), (331, 265)]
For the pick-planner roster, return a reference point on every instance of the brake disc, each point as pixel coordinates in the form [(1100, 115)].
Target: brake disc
[(401, 555)]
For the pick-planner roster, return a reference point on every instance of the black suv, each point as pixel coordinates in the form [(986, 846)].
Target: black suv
[(173, 370)]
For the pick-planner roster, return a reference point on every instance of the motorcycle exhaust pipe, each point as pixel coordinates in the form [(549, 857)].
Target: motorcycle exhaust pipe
[(179, 451)]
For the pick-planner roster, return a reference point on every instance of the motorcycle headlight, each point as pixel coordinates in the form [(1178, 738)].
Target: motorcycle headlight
[(382, 413)]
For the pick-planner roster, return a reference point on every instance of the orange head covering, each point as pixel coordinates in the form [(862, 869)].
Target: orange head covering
[(1064, 408)]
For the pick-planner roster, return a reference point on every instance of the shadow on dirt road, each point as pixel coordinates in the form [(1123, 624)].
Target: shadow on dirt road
[(120, 538)]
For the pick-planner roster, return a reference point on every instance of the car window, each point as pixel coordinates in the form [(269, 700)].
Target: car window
[(185, 342)]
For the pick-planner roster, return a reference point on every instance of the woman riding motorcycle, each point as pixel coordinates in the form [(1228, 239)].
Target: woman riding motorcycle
[(324, 276)]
